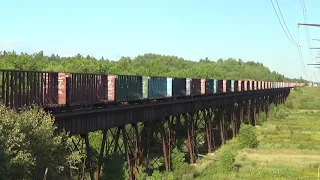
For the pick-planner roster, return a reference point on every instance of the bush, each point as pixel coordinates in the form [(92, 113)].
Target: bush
[(115, 168), (261, 117), (289, 103), (156, 175), (169, 176), (226, 160), (278, 112), (187, 171), (140, 173), (188, 176), (178, 159), (247, 137)]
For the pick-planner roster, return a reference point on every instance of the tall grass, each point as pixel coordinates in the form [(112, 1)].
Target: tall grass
[(289, 142)]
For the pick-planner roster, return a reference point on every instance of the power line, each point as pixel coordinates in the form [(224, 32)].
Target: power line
[(285, 24), (291, 39), (301, 56), (281, 24)]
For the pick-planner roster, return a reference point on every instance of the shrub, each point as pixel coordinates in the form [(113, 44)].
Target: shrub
[(156, 175), (247, 137), (278, 112), (261, 117), (178, 159), (226, 160), (289, 103), (141, 174), (187, 176), (115, 168), (170, 176)]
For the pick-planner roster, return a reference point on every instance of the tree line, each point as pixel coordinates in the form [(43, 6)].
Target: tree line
[(146, 65)]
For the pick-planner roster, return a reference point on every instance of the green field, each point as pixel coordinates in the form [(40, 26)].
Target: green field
[(289, 146)]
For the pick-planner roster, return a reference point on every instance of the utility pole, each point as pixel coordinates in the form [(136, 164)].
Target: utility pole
[(317, 65)]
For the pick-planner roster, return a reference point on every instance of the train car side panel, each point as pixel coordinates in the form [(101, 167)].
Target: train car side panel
[(128, 88), (62, 88), (203, 86), (111, 87), (157, 87), (209, 86), (195, 86), (178, 86), (240, 87), (220, 86), (86, 88), (236, 86), (232, 86), (188, 86), (224, 85), (169, 87), (215, 86), (145, 87)]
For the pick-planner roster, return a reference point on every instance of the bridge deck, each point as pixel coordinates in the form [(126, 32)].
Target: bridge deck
[(83, 121)]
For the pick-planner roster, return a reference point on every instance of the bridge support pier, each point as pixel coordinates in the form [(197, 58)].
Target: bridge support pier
[(254, 112), (222, 124), (233, 121), (208, 117), (89, 165), (191, 123), (241, 111), (144, 142), (249, 112)]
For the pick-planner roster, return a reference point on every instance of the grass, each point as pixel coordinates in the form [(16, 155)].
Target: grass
[(289, 148)]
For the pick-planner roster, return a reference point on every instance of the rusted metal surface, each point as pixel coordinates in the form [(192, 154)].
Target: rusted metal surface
[(62, 88), (240, 85), (236, 86), (24, 88), (193, 86), (87, 88), (220, 86), (245, 85), (111, 87), (203, 86), (249, 85), (224, 85)]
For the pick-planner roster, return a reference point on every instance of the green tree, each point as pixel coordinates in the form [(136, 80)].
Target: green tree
[(29, 145), (147, 65)]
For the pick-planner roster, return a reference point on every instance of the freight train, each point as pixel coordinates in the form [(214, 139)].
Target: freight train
[(46, 89)]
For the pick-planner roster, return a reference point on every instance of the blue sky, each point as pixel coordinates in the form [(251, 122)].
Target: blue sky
[(246, 29)]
